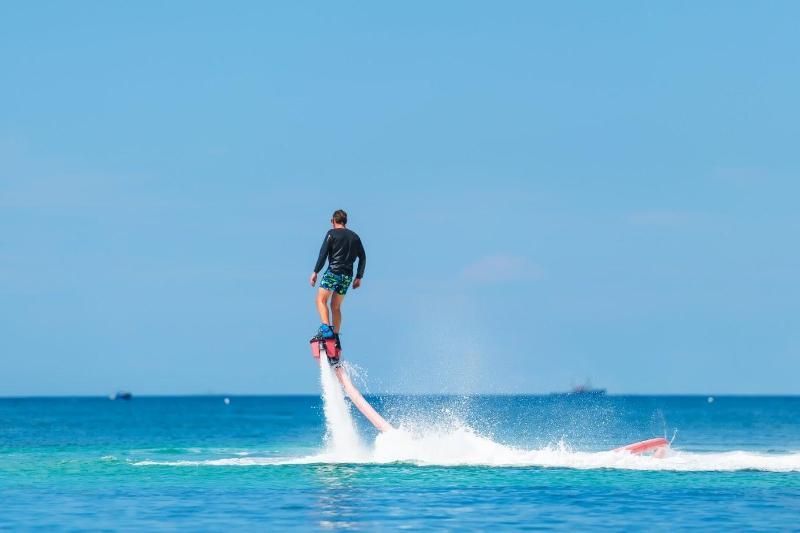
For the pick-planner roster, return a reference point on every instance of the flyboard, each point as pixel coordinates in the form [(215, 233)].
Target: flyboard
[(332, 352)]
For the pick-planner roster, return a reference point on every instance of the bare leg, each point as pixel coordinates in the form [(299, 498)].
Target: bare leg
[(336, 307), (322, 305)]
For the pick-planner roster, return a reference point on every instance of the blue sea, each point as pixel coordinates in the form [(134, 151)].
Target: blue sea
[(454, 462)]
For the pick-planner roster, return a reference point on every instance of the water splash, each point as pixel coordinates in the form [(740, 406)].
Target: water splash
[(444, 439), (463, 446), (341, 438)]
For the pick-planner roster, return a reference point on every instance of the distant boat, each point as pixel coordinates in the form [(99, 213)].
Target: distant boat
[(584, 389), (121, 395), (587, 389)]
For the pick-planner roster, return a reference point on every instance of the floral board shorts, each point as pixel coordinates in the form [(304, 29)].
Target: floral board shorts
[(338, 283)]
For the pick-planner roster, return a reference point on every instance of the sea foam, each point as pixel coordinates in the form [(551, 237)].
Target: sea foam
[(455, 444), (464, 447)]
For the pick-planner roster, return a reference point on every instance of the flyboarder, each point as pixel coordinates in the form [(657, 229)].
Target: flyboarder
[(341, 247)]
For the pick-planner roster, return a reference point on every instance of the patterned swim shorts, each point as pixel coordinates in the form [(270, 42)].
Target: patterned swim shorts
[(339, 283)]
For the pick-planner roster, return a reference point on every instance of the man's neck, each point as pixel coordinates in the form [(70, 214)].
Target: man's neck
[(338, 226)]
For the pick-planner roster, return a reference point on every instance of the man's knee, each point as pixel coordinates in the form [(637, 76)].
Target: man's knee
[(336, 304)]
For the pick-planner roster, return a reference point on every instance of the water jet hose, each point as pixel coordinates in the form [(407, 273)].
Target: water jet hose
[(359, 401)]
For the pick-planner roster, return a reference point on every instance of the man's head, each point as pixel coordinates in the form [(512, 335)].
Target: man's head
[(339, 217)]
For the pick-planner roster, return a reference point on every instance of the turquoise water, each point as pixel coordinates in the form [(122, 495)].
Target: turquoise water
[(505, 462)]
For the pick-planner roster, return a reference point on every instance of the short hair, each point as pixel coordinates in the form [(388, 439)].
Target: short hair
[(340, 216)]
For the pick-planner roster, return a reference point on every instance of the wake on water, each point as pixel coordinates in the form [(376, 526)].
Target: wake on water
[(460, 445)]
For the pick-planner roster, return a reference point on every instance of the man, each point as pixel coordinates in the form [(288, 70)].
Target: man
[(341, 248)]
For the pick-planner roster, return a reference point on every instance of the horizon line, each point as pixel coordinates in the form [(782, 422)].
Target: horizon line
[(430, 394)]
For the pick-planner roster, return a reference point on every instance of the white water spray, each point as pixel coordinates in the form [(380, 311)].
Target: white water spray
[(341, 438), (432, 443), (465, 447)]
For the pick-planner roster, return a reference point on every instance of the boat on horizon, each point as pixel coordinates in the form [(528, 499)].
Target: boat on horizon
[(584, 389), (121, 395)]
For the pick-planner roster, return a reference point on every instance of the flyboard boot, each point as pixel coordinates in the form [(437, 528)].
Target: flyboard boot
[(327, 342)]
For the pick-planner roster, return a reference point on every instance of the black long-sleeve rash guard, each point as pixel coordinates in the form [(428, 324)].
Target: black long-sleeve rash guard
[(341, 248)]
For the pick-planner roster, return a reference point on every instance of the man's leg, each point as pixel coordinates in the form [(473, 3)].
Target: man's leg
[(336, 307), (322, 305)]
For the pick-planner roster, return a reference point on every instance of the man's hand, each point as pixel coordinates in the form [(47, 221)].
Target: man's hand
[(313, 279), (356, 283)]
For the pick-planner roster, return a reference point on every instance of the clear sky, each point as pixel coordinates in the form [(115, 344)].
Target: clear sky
[(547, 191)]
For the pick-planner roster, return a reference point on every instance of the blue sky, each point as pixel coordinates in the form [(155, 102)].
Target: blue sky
[(546, 191)]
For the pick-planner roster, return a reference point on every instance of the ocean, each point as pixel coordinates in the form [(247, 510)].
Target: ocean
[(456, 462)]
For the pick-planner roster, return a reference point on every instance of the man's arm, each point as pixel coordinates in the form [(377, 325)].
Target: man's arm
[(323, 255), (362, 260)]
